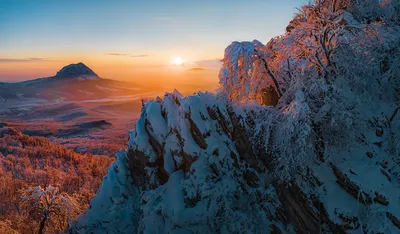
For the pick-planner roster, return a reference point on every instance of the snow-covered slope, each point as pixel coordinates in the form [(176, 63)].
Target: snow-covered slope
[(192, 158), (199, 175), (115, 208), (303, 136)]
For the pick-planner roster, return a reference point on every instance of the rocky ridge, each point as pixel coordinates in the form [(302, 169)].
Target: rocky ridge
[(303, 137)]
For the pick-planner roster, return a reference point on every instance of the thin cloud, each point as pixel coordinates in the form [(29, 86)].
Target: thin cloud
[(117, 54), (161, 18), (25, 60), (212, 63), (154, 66), (129, 55), (197, 69), (139, 56)]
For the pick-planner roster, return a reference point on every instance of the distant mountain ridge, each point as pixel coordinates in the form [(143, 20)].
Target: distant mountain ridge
[(72, 82)]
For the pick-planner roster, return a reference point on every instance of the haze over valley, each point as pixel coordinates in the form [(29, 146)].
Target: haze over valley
[(76, 108)]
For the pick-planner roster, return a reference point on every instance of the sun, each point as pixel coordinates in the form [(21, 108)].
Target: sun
[(178, 61)]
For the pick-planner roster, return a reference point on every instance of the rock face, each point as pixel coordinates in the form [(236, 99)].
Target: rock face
[(191, 166), (196, 151), (77, 71), (295, 141)]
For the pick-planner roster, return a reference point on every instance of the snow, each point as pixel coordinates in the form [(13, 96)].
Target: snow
[(86, 92), (87, 77), (119, 98), (347, 19), (106, 89), (217, 162), (115, 208), (157, 122), (167, 204)]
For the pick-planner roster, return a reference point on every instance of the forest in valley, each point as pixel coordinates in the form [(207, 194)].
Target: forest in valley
[(29, 162)]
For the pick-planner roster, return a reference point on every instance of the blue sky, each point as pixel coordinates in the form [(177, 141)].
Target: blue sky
[(58, 31)]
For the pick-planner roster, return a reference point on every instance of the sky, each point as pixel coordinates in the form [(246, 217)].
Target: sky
[(130, 39)]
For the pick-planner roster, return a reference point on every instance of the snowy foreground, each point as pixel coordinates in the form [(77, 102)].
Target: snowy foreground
[(303, 136)]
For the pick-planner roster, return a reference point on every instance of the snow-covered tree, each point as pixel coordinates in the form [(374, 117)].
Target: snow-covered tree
[(246, 75), (51, 209)]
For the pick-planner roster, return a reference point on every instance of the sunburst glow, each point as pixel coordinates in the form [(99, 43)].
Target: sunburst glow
[(178, 61)]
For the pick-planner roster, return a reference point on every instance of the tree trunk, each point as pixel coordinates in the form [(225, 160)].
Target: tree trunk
[(278, 89), (42, 223)]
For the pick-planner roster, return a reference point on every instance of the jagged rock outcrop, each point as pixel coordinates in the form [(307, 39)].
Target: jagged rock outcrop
[(196, 151), (194, 169), (303, 137)]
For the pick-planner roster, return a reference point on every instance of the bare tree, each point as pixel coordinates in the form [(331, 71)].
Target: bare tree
[(49, 207)]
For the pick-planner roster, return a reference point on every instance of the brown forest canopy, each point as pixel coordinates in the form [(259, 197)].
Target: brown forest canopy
[(28, 161)]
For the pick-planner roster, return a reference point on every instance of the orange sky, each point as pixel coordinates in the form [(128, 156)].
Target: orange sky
[(150, 71), (133, 40)]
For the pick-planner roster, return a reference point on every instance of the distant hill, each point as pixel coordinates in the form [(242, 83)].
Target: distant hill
[(72, 82), (77, 71)]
